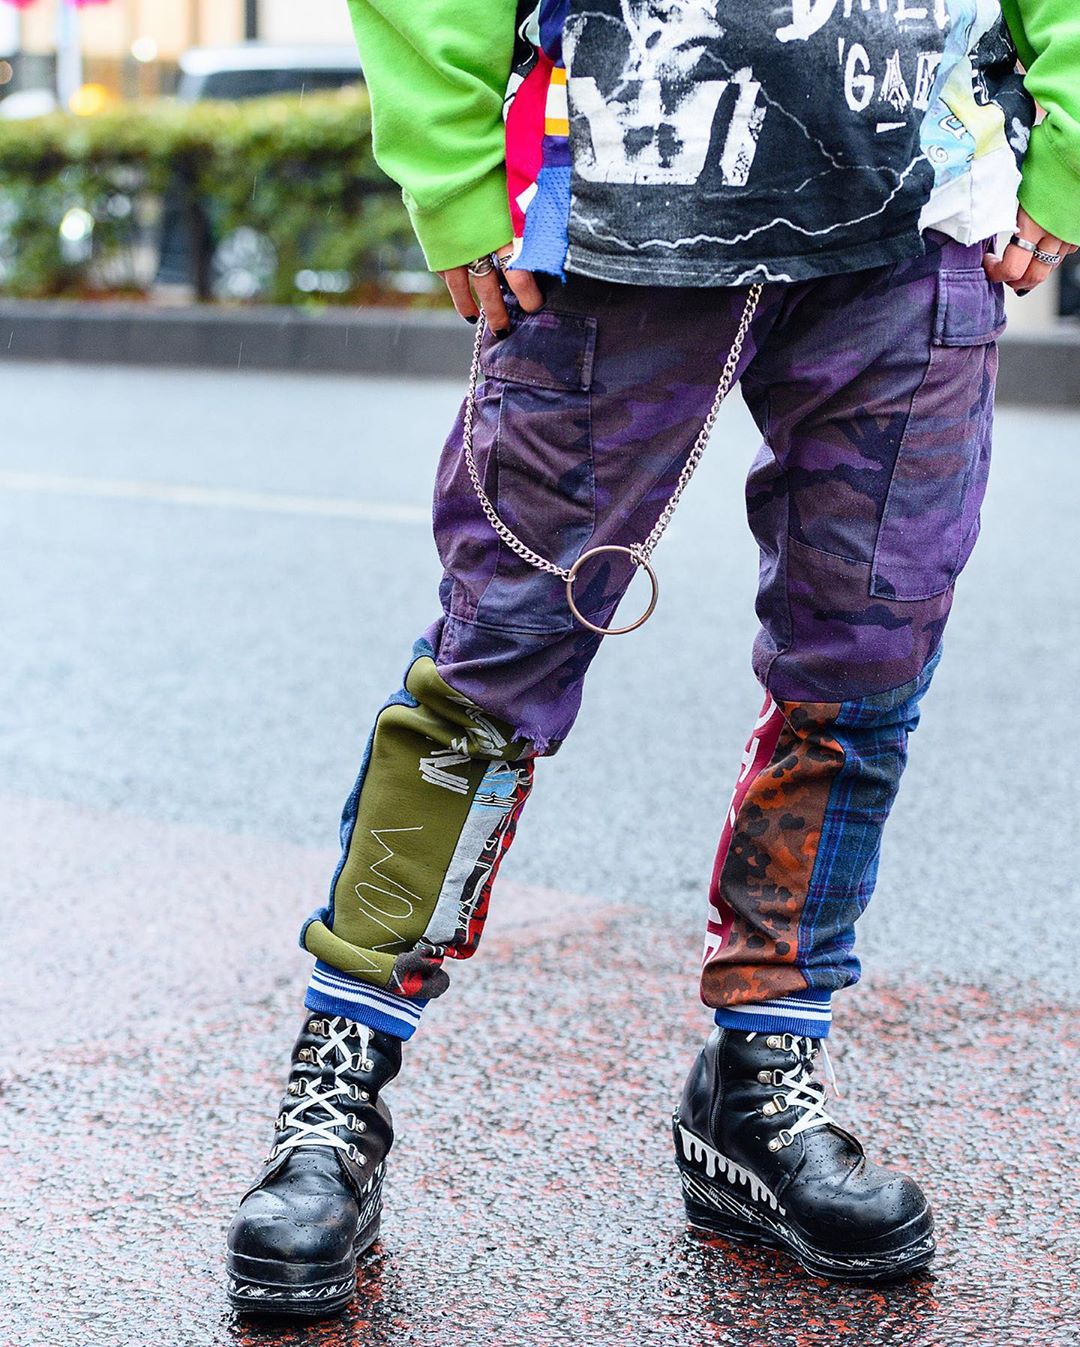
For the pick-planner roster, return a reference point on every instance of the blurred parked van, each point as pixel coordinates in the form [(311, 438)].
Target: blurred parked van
[(255, 69), (242, 262)]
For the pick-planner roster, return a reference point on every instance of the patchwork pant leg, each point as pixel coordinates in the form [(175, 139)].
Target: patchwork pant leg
[(875, 396), (423, 832), (583, 421)]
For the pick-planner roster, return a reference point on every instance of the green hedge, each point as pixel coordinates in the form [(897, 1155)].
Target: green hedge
[(298, 171)]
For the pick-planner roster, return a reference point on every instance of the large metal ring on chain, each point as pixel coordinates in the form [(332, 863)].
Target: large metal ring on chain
[(638, 560), (639, 553)]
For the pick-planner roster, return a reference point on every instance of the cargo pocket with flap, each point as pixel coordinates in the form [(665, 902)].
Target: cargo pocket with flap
[(931, 516), (544, 488)]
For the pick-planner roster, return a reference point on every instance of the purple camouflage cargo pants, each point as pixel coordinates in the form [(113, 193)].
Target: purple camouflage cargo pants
[(873, 393)]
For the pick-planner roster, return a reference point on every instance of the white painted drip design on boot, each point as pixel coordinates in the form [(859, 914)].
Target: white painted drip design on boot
[(250, 1291), (370, 1210), (730, 1205), (719, 1166), (370, 1202), (376, 1178)]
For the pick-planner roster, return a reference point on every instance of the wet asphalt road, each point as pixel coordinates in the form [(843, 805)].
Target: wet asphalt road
[(209, 583)]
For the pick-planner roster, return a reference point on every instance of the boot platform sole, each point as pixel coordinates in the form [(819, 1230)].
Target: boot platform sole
[(722, 1198), (261, 1286)]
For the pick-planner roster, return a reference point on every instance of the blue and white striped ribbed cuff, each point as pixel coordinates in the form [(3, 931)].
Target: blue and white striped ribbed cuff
[(333, 993), (807, 1013)]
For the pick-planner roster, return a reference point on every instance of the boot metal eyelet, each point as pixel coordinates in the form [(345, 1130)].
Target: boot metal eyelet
[(774, 1041), (784, 1137), (765, 1077), (355, 1155)]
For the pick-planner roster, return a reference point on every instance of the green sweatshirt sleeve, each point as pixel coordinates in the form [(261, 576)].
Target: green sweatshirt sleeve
[(1047, 36), (437, 72)]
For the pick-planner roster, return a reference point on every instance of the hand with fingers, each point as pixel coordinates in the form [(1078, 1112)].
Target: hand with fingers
[(1029, 259), (475, 288)]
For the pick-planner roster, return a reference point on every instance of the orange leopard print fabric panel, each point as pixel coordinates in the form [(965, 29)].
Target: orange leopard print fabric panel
[(766, 873)]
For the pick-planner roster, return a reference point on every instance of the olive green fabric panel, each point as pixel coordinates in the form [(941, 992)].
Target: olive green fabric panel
[(422, 776), (370, 965), (406, 830)]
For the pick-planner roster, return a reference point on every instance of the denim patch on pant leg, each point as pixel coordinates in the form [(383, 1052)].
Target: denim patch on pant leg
[(873, 734)]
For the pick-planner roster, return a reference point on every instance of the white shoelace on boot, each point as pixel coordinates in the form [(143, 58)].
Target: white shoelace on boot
[(314, 1098), (796, 1089)]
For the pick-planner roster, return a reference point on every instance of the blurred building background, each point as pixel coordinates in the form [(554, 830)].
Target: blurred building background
[(90, 56), (169, 172), (132, 47)]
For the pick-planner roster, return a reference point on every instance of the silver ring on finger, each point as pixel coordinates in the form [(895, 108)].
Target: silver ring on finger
[(483, 266), (1025, 244), (1051, 259)]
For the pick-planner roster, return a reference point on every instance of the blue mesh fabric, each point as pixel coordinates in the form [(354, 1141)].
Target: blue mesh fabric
[(544, 248)]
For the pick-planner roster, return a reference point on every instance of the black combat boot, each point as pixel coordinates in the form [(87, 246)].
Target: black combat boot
[(762, 1162), (294, 1242)]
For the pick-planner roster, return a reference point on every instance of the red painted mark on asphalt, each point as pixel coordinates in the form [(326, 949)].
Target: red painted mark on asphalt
[(532, 1199), (121, 917)]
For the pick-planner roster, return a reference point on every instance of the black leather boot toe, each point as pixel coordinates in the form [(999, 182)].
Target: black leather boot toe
[(294, 1242), (763, 1162)]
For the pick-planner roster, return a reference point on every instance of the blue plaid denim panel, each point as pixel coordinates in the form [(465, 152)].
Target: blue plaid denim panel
[(873, 732)]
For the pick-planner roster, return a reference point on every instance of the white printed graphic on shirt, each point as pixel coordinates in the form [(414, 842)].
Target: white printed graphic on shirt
[(660, 126), (773, 123)]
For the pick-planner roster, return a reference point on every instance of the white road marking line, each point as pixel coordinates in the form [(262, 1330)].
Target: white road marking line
[(214, 497)]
